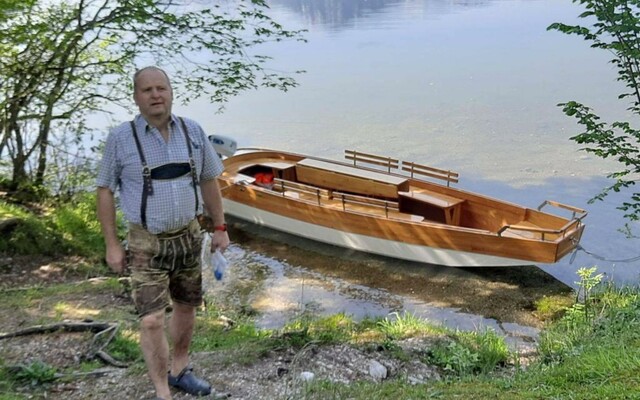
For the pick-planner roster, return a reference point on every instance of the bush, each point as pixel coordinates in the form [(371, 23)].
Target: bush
[(471, 352), (77, 222), (68, 228), (33, 234)]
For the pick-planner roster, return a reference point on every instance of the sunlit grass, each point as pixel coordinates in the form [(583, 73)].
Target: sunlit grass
[(549, 308), (69, 228), (406, 325)]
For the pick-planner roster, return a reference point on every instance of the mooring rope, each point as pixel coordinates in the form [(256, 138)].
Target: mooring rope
[(624, 260)]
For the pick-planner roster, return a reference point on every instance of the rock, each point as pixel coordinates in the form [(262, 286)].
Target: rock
[(377, 370), (307, 376)]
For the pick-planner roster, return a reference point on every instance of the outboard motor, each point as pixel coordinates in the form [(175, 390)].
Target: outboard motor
[(223, 145)]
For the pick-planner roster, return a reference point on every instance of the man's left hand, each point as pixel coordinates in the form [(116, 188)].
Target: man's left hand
[(219, 241)]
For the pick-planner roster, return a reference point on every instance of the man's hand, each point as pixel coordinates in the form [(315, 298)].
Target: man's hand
[(116, 258), (219, 240)]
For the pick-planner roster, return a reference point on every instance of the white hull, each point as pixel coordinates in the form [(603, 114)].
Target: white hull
[(369, 244)]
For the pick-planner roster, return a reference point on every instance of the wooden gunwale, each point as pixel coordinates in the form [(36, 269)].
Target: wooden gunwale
[(426, 233)]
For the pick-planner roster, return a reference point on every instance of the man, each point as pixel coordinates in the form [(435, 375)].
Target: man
[(165, 169)]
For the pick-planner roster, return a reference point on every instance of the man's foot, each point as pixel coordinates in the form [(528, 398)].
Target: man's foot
[(189, 383)]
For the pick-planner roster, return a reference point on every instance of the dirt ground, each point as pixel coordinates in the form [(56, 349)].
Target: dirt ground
[(280, 374)]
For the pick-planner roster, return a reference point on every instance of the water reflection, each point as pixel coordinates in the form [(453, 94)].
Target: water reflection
[(341, 14)]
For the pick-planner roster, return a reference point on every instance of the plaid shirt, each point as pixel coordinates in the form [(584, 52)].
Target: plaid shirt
[(172, 205)]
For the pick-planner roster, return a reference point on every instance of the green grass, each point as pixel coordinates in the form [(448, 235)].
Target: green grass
[(43, 295), (407, 325), (69, 228), (590, 353)]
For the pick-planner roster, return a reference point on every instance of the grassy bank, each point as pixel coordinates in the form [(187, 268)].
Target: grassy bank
[(589, 350)]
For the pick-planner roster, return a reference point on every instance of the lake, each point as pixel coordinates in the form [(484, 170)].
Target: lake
[(467, 85)]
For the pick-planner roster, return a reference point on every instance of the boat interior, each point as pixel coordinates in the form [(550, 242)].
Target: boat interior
[(377, 185)]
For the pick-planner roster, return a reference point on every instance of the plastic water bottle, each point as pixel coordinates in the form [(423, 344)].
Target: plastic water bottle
[(219, 264)]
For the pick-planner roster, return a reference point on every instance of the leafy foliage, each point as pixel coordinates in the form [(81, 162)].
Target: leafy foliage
[(35, 373), (61, 61), (68, 228), (600, 315), (471, 352), (405, 325), (77, 221), (32, 235), (615, 27)]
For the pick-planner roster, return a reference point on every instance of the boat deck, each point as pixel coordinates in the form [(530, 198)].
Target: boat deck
[(382, 194), (337, 202)]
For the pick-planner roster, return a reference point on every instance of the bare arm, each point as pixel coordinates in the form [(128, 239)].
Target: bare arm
[(213, 205), (115, 255)]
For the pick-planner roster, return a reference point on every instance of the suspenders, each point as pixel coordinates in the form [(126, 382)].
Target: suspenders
[(147, 185)]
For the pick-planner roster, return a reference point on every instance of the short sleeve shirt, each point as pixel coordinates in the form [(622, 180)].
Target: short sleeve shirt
[(172, 204)]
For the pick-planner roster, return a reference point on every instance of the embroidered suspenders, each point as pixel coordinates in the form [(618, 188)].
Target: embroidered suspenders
[(147, 173)]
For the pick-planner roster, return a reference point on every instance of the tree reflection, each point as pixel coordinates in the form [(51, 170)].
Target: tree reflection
[(342, 13)]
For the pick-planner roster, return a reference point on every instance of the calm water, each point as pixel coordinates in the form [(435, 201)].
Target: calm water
[(466, 85)]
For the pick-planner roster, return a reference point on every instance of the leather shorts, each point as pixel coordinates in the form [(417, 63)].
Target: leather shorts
[(165, 267)]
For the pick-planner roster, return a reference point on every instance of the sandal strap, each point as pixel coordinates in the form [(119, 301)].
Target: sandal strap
[(185, 370)]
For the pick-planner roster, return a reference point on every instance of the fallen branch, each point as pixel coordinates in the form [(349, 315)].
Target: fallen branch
[(125, 281), (62, 326), (95, 372), (104, 356), (96, 348)]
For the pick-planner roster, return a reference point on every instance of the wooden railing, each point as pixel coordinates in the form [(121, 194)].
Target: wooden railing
[(356, 156), (573, 224), (562, 232), (284, 186), (445, 175), (412, 168), (346, 199)]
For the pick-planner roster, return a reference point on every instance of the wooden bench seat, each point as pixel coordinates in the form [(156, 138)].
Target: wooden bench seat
[(414, 202), (350, 179), (368, 205)]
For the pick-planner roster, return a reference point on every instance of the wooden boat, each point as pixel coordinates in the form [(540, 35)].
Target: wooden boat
[(390, 207)]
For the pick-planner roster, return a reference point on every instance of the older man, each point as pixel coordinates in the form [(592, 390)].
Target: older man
[(165, 170)]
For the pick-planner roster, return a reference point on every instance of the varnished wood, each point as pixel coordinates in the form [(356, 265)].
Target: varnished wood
[(372, 205), (349, 179)]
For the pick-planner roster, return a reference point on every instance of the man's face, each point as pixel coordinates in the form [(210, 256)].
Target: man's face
[(153, 94)]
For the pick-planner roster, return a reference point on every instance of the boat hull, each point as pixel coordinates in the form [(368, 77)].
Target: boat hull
[(365, 243), (471, 230)]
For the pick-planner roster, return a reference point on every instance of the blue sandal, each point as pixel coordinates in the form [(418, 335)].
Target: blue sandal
[(189, 383)]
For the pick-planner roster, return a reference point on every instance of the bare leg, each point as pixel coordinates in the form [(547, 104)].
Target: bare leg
[(156, 352), (181, 330)]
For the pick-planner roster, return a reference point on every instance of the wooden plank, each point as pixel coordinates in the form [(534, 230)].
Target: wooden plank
[(433, 198), (352, 171), (349, 179), (445, 175), (356, 156), (350, 198)]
